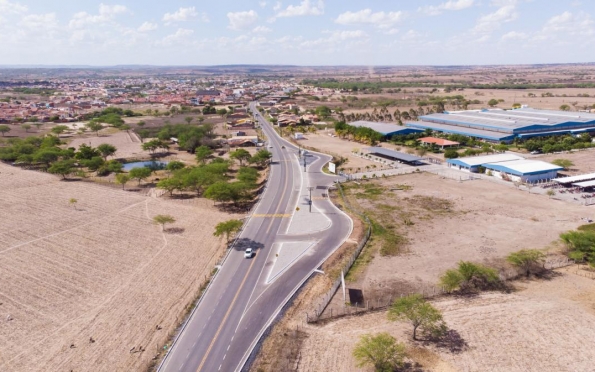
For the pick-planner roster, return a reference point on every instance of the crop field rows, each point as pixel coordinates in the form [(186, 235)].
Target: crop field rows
[(99, 269)]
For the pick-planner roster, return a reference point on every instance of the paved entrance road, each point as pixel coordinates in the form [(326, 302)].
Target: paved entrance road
[(243, 299)]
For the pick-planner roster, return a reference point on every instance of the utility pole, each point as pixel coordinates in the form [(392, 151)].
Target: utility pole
[(310, 188), (304, 163)]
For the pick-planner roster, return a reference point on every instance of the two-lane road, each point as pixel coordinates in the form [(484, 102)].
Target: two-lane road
[(240, 303)]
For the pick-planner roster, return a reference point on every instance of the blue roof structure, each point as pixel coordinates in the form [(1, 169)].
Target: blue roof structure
[(505, 125), (394, 154), (523, 167), (386, 129)]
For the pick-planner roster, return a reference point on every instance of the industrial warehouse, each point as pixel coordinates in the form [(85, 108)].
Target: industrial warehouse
[(508, 167), (499, 125)]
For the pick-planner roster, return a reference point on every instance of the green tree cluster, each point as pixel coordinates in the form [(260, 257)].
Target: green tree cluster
[(469, 277), (360, 134), (581, 245)]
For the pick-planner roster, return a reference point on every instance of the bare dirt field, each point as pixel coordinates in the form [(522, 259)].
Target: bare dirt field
[(98, 269), (545, 326), (128, 144), (451, 221), (584, 161)]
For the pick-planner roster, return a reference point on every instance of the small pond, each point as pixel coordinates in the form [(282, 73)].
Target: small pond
[(154, 165)]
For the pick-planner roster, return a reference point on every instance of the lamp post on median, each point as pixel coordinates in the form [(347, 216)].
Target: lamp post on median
[(310, 188), (304, 163)]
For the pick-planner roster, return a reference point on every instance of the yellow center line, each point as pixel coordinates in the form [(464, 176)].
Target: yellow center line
[(282, 196), (272, 215), (204, 359)]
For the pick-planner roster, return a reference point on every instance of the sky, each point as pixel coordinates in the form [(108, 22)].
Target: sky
[(296, 32)]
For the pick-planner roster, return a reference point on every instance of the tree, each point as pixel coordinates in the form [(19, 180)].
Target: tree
[(4, 129), (247, 175), (581, 245), (126, 127), (241, 155), (174, 165), (420, 313), (451, 154), (47, 155), (94, 127), (220, 192), (468, 277), (188, 119), (163, 219), (171, 184), (26, 127), (141, 123), (550, 193), (38, 125), (564, 163), (227, 228), (140, 173), (565, 107), (493, 102), (526, 259), (202, 154), (59, 129), (261, 157), (122, 179), (62, 167), (73, 202), (381, 351), (106, 150)]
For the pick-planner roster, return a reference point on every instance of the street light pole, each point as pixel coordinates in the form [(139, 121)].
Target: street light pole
[(304, 163), (310, 188)]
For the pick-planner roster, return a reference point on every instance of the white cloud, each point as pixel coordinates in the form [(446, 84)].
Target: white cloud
[(567, 22), (183, 15), (392, 31), (261, 29), (262, 4), (147, 26), (411, 36), (242, 20), (178, 37), (514, 35), (106, 14), (111, 10), (40, 21), (493, 21), (277, 6), (8, 7), (305, 8), (449, 5), (365, 16), (335, 38)]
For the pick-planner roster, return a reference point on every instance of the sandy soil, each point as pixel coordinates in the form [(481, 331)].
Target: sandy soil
[(337, 146), (584, 160), (128, 144), (100, 269), (487, 221), (546, 326)]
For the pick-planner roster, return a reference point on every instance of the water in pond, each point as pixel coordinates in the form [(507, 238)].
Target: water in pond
[(154, 165)]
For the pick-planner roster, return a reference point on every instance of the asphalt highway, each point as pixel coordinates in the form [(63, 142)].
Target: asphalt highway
[(240, 304)]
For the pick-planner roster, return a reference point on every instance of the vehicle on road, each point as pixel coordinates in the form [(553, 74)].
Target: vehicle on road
[(248, 253), (282, 147)]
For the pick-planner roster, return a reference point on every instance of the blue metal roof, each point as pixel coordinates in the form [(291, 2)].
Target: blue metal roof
[(394, 154)]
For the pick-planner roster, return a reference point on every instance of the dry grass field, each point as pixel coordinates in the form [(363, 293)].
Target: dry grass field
[(128, 144), (478, 220), (544, 326), (97, 269)]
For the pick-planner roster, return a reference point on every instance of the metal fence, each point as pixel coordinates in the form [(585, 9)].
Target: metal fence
[(384, 301), (328, 296)]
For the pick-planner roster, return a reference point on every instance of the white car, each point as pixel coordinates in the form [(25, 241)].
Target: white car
[(248, 253)]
